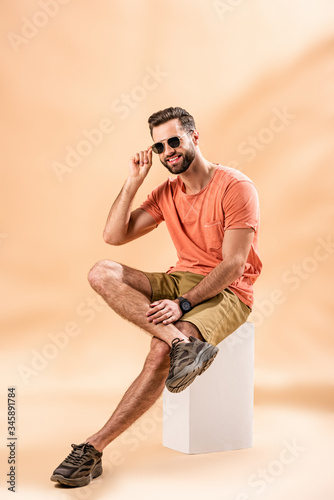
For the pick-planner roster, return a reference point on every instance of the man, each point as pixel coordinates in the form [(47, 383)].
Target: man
[(212, 214)]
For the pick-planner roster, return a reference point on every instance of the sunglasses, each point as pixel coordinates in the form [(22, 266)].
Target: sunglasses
[(173, 142)]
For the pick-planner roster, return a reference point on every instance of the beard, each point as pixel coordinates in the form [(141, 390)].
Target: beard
[(184, 163)]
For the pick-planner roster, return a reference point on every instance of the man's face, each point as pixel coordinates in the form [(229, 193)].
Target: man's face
[(176, 160)]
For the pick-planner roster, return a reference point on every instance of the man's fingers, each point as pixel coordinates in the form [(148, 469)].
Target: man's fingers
[(163, 311), (157, 315), (148, 159), (162, 318), (143, 160), (155, 309), (145, 156), (149, 152), (171, 319)]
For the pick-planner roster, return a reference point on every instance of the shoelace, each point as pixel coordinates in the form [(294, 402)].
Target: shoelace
[(76, 457), (175, 348)]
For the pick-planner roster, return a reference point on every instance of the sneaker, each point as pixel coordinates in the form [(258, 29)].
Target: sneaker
[(81, 466), (187, 360)]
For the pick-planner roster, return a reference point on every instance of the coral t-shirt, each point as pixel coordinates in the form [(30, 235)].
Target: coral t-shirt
[(197, 223)]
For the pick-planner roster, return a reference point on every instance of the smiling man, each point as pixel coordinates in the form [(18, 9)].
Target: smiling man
[(212, 215)]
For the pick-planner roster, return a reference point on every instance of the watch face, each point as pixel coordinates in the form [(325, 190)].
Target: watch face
[(186, 305)]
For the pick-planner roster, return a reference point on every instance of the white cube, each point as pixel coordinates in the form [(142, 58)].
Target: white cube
[(215, 413)]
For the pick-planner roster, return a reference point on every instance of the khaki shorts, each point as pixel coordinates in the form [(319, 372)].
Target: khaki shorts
[(215, 318)]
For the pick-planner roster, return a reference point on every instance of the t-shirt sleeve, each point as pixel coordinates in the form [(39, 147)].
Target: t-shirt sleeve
[(152, 205), (241, 206)]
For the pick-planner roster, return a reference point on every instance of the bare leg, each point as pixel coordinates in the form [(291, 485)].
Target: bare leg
[(143, 392), (127, 292)]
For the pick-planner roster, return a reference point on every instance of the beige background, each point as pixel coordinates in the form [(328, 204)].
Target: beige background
[(234, 65)]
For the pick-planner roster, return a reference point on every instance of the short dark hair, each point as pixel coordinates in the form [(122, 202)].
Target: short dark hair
[(163, 116)]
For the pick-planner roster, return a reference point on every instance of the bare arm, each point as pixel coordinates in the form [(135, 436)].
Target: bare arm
[(236, 247), (122, 224)]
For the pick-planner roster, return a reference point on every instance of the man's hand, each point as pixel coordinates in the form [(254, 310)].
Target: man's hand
[(123, 224), (164, 311), (140, 165)]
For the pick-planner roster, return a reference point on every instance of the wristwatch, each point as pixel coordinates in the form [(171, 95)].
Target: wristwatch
[(185, 305)]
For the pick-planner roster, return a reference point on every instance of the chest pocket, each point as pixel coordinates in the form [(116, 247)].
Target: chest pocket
[(214, 235)]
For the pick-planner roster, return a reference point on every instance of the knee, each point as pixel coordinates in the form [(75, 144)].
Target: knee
[(102, 270), (158, 358), (180, 325), (188, 329)]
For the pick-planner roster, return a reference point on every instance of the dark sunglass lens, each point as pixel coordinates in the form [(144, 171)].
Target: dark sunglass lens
[(174, 142), (158, 148)]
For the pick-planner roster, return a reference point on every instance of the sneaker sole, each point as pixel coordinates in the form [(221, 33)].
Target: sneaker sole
[(79, 481), (183, 379)]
